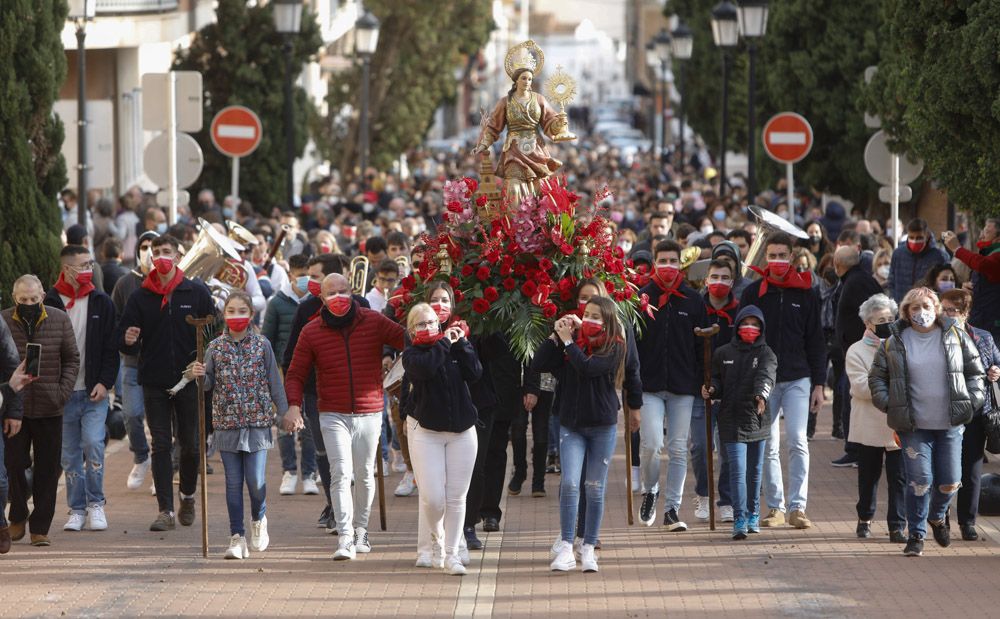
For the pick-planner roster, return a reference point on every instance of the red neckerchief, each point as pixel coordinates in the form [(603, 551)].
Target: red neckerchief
[(667, 291), (153, 284), (724, 310), (793, 279), (589, 344), (64, 288)]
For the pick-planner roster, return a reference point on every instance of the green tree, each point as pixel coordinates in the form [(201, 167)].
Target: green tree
[(421, 42), (811, 61), (937, 91), (242, 61), (32, 170)]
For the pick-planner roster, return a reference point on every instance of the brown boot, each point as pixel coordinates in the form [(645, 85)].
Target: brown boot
[(17, 530), (4, 540)]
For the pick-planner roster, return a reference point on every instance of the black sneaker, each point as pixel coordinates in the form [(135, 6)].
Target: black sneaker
[(896, 536), (969, 532), (845, 461), (647, 511), (550, 463), (323, 517), (942, 533), (672, 522), (491, 524), (185, 515), (537, 491), (914, 547), (514, 487), (864, 530), (471, 540)]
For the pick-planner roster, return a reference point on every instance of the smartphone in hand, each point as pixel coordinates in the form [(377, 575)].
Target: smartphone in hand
[(33, 360)]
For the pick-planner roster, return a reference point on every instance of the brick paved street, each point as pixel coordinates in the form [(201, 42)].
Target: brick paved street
[(645, 572)]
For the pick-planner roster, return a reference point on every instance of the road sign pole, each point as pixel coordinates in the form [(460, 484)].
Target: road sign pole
[(894, 205), (172, 147), (234, 185), (790, 181)]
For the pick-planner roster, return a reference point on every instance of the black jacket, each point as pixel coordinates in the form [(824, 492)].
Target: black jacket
[(439, 376), (726, 330), (740, 373), (101, 357), (587, 393), (166, 342), (13, 403), (856, 287), (795, 333), (670, 353)]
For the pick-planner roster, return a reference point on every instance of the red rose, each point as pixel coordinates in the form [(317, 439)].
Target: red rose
[(482, 200), (619, 252), (520, 269), (480, 306), (510, 283), (467, 270), (529, 288), (471, 185), (459, 296), (493, 257), (453, 282), (490, 294), (565, 284), (505, 269), (565, 295), (619, 296), (454, 207), (609, 286), (544, 264), (483, 273), (549, 310), (566, 249), (408, 283)]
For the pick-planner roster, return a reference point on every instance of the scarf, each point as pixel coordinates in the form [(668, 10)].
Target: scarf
[(590, 344), (723, 312), (64, 288), (668, 291), (793, 279), (155, 285)]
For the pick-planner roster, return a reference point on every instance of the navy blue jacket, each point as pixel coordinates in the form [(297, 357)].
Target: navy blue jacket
[(166, 342), (587, 394), (101, 357), (794, 332), (440, 375), (908, 268), (670, 354)]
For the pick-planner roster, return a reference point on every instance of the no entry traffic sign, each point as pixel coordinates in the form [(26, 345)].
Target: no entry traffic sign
[(236, 131), (787, 137)]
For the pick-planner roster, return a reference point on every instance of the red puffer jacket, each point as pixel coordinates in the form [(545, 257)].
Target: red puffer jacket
[(348, 362)]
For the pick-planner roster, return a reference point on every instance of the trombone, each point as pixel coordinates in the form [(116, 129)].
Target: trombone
[(359, 275)]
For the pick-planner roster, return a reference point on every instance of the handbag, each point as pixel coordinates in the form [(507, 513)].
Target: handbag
[(991, 419)]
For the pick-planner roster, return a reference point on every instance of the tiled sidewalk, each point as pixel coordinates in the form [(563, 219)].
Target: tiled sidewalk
[(645, 572)]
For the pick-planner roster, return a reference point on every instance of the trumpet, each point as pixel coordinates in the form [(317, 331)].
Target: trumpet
[(404, 265), (359, 275)]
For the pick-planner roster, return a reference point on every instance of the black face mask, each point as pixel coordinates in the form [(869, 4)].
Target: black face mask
[(29, 313), (815, 238), (883, 331)]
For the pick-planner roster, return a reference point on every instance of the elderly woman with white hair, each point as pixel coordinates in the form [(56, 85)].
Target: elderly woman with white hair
[(868, 426), (928, 378)]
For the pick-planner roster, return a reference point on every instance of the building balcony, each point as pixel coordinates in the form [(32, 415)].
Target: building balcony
[(128, 7)]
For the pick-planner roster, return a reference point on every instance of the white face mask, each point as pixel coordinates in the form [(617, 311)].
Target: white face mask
[(707, 229), (923, 318), (883, 271)]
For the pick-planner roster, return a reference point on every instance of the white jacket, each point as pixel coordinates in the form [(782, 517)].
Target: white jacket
[(868, 424)]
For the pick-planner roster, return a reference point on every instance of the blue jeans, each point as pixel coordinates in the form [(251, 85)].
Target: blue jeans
[(932, 460), (242, 466), (83, 441), (597, 445), (791, 398), (746, 462), (286, 447), (699, 454), (674, 410), (4, 486), (553, 446), (134, 408)]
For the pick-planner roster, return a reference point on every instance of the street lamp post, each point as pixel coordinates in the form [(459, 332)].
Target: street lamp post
[(365, 44), (661, 43), (681, 46), (725, 32), (654, 65), (753, 25), (81, 11), (288, 22)]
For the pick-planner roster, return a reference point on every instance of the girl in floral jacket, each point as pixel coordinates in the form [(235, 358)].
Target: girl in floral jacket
[(240, 365)]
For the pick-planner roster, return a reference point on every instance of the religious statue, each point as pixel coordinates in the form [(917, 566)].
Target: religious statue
[(524, 161)]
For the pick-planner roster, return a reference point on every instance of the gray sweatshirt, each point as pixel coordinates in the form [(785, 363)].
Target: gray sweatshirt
[(928, 379)]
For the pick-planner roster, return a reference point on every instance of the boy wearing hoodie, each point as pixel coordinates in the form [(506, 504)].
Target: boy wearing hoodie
[(743, 374)]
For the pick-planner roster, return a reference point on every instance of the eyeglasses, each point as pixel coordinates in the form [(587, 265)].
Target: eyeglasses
[(86, 266), (952, 311)]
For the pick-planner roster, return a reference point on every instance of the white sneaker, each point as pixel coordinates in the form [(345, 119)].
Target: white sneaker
[(361, 543), (152, 489), (259, 539), (138, 474), (423, 560), (463, 554), (398, 463), (309, 485), (726, 513), (237, 548), (407, 486), (75, 522), (453, 565), (636, 479), (564, 561), (97, 520), (701, 505), (577, 547), (588, 559), (345, 549), (288, 482)]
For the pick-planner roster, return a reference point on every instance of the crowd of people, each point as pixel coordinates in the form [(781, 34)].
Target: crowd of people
[(301, 353)]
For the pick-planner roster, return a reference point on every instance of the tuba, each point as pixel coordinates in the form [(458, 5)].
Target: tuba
[(359, 275), (769, 224), (215, 259)]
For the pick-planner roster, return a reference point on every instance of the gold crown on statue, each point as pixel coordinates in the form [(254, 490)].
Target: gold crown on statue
[(525, 55)]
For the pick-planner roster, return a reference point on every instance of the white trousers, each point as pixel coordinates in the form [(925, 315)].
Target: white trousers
[(351, 441)]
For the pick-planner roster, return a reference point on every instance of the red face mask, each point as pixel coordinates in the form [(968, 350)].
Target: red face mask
[(163, 264), (749, 333), (314, 288), (339, 304), (591, 328), (719, 289), (582, 305), (238, 324), (778, 268), (667, 273), (443, 313), (84, 277), (916, 247), (424, 337)]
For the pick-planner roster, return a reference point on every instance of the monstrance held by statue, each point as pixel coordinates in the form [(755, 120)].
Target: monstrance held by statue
[(524, 161)]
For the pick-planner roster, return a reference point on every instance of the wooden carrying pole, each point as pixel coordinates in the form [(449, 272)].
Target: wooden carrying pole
[(628, 465), (706, 335), (199, 324), (379, 479)]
